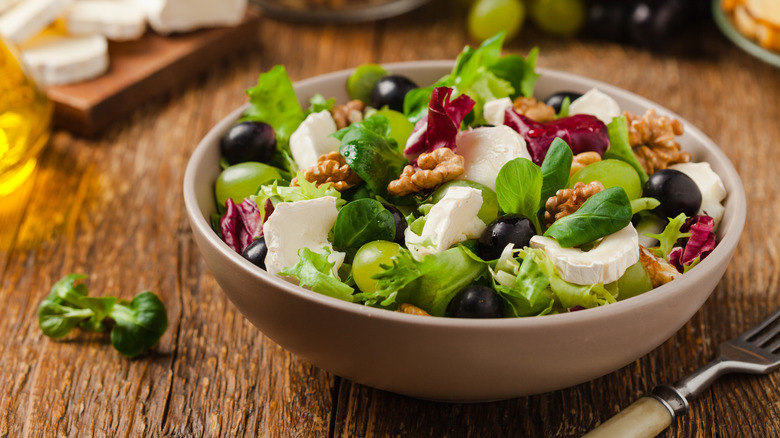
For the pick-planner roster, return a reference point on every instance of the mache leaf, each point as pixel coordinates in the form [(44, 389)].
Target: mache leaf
[(519, 188), (602, 214), (556, 168)]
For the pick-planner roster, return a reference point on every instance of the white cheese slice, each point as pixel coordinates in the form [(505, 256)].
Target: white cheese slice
[(486, 150), (56, 60), (710, 185), (296, 225), (596, 103), (605, 263), (451, 220), (116, 20), (26, 19), (169, 16), (495, 110), (312, 139)]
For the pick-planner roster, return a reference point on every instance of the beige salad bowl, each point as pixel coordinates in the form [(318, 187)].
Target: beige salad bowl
[(457, 359)]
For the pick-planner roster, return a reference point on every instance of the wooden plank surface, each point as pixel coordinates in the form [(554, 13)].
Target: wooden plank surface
[(111, 207)]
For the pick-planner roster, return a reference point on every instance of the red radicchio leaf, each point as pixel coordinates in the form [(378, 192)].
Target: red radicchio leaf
[(582, 132), (700, 244), (242, 223), (440, 126)]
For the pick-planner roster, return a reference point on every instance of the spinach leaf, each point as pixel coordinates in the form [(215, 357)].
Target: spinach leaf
[(519, 188), (140, 323), (556, 168), (137, 325), (620, 148), (314, 271), (360, 222), (602, 214), (370, 152)]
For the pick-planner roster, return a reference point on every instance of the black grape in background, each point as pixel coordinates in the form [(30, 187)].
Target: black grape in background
[(659, 25)]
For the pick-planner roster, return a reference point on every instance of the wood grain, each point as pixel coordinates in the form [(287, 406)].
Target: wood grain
[(111, 207)]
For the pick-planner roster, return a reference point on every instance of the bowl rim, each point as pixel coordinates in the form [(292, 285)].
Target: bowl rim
[(736, 201)]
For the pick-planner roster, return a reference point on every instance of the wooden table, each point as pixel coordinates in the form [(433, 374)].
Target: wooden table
[(111, 206)]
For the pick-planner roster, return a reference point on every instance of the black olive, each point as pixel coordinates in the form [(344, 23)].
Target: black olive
[(676, 191), (556, 100), (476, 301), (248, 141), (503, 231), (256, 252), (391, 91), (400, 223)]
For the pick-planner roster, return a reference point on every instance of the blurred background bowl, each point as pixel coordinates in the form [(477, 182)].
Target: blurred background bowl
[(336, 11), (457, 359)]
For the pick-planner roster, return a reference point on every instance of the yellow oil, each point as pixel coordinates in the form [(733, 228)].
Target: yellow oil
[(25, 122)]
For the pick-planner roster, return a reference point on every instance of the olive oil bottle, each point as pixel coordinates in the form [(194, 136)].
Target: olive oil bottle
[(25, 121)]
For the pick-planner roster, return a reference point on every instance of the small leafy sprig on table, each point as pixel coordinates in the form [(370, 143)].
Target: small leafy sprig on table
[(135, 325)]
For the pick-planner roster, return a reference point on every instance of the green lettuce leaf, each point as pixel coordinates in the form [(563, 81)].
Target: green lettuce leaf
[(315, 272), (318, 103), (669, 236), (620, 148), (527, 296)]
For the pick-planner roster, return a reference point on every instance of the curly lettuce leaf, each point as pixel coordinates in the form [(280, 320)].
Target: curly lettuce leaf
[(669, 236), (523, 286), (302, 191), (315, 272), (430, 283)]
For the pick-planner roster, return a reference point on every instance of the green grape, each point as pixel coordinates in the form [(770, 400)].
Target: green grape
[(400, 127), (489, 210), (562, 18), (488, 17), (362, 81), (242, 180), (368, 260), (611, 173), (633, 282)]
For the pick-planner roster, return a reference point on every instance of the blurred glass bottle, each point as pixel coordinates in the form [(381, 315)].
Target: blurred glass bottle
[(25, 121)]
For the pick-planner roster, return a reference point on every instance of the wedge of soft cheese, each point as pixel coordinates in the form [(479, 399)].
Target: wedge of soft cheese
[(604, 263), (596, 103), (451, 220), (312, 139), (57, 60), (495, 110), (296, 225), (710, 185), (116, 20), (27, 18), (169, 16), (486, 150)]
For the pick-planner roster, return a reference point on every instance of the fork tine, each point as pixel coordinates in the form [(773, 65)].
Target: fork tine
[(774, 348), (758, 328)]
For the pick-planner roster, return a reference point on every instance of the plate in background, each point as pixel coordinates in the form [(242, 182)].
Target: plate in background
[(308, 12), (726, 25)]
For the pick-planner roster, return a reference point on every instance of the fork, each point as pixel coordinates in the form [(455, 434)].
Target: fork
[(757, 351)]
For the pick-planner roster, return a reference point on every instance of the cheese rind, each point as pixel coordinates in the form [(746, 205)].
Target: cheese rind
[(26, 19), (486, 150), (296, 225), (116, 20), (169, 16), (605, 263), (57, 60)]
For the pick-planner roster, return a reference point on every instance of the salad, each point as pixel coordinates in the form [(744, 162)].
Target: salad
[(465, 198)]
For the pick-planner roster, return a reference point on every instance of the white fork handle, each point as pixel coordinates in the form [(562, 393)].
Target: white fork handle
[(645, 418)]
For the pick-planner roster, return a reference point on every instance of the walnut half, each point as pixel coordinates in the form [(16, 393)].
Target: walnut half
[(659, 270), (435, 168), (652, 138), (330, 168)]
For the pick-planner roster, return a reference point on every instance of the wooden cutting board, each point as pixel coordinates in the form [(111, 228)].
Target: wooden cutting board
[(142, 69)]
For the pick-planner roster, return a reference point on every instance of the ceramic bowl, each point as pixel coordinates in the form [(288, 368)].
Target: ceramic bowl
[(457, 359)]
